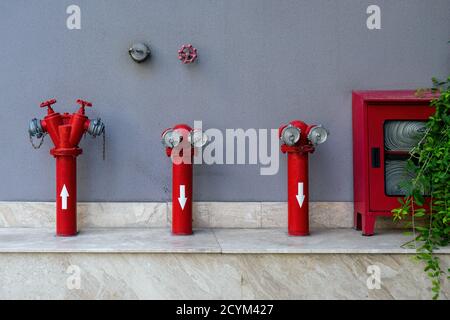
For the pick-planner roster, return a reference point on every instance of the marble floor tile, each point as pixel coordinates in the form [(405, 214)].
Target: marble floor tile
[(320, 241), (107, 240), (151, 240)]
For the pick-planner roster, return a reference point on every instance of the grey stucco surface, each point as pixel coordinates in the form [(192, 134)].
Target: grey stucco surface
[(261, 63)]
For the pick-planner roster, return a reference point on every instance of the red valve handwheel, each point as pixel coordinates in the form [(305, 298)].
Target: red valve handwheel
[(84, 103), (187, 53), (48, 103)]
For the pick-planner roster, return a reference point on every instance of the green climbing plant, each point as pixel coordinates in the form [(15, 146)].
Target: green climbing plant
[(429, 165)]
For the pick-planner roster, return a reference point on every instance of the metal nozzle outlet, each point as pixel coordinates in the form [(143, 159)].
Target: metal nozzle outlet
[(96, 127), (35, 128)]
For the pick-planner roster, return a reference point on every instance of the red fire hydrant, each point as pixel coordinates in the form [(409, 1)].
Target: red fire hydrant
[(181, 142), (298, 140), (66, 131)]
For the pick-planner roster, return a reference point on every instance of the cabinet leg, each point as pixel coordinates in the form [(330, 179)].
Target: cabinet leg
[(368, 225)]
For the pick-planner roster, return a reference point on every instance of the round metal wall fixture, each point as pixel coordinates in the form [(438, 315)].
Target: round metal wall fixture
[(318, 135), (139, 52), (187, 54), (290, 135)]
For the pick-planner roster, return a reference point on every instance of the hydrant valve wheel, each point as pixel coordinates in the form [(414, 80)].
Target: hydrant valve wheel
[(83, 104), (187, 54), (48, 103)]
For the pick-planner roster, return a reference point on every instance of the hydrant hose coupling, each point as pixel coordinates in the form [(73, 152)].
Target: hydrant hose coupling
[(66, 131), (298, 140)]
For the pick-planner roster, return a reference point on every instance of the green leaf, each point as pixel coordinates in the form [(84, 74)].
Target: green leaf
[(428, 173)]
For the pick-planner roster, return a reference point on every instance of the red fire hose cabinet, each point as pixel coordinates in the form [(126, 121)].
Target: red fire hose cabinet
[(386, 126)]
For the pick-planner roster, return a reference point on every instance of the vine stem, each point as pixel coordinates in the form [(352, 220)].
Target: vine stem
[(413, 222), (431, 214), (406, 243), (413, 150)]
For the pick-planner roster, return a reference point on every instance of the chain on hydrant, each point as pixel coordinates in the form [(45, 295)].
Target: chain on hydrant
[(65, 130), (298, 140), (181, 142)]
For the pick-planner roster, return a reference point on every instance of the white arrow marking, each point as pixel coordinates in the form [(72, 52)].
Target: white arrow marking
[(64, 195), (182, 199), (300, 196)]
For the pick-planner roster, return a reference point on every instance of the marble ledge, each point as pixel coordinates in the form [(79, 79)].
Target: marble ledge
[(225, 241), (158, 214)]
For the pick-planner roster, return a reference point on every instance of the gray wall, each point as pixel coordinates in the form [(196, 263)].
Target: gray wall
[(262, 63)]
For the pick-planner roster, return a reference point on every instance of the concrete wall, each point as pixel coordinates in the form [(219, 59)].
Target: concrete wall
[(262, 63)]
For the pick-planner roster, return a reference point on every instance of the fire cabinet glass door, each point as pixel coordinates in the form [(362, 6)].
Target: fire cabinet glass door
[(393, 132)]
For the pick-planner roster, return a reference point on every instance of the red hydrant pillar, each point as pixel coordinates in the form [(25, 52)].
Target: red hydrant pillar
[(299, 139), (182, 198), (66, 183), (181, 142), (298, 194), (65, 131)]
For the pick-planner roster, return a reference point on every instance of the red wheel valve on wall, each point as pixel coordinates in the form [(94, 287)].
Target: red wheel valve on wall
[(298, 140), (66, 131), (181, 142)]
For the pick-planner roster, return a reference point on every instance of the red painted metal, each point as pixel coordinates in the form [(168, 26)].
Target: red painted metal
[(298, 216), (187, 54), (66, 131), (66, 181), (182, 172), (182, 217), (371, 109)]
